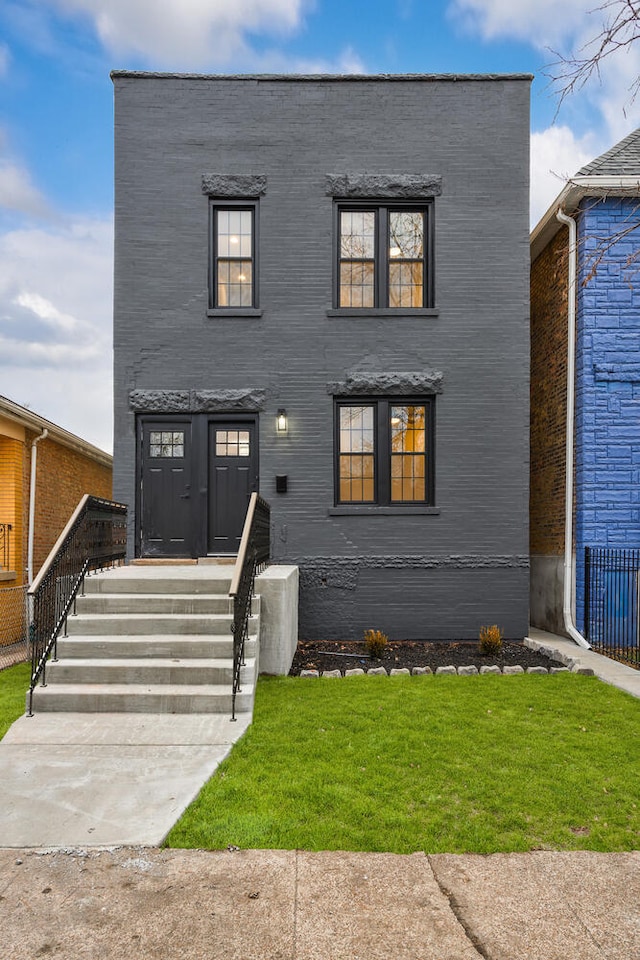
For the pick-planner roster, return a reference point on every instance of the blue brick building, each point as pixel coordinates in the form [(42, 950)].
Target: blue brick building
[(602, 201)]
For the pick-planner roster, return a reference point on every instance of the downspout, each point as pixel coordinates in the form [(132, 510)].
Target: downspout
[(32, 503), (567, 607)]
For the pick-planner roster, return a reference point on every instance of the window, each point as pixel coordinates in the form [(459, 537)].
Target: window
[(384, 256), (167, 444), (232, 443), (233, 256), (384, 451)]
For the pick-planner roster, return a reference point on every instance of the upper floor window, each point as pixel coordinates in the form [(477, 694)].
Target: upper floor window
[(233, 256), (384, 253)]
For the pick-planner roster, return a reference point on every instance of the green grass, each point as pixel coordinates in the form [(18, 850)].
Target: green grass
[(14, 683), (480, 764)]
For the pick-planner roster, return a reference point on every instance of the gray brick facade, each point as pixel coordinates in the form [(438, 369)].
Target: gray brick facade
[(430, 572)]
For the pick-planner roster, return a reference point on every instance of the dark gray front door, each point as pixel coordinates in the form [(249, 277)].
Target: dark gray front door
[(165, 493), (233, 476)]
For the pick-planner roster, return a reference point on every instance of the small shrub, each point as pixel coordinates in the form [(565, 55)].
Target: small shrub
[(490, 639), (375, 642)]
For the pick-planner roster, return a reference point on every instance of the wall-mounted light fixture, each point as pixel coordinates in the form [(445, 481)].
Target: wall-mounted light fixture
[(282, 424)]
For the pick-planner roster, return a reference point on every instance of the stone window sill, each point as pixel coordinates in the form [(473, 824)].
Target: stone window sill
[(373, 312), (233, 313), (8, 575)]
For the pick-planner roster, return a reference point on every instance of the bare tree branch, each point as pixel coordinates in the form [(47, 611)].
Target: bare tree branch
[(620, 29)]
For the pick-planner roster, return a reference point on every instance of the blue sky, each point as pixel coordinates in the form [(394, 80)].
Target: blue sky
[(56, 136)]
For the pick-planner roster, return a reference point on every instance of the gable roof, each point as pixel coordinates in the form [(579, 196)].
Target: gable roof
[(621, 160), (33, 421), (615, 173)]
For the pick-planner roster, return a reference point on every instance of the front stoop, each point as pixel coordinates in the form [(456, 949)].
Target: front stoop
[(151, 639)]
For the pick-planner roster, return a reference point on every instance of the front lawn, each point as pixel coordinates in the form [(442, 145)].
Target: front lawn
[(14, 683), (442, 764)]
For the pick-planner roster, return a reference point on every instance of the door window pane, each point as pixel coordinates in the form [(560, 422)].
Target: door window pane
[(232, 443), (166, 444)]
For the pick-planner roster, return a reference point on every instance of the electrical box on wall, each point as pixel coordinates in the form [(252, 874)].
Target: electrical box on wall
[(281, 483)]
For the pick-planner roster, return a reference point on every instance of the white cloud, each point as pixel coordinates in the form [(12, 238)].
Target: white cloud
[(46, 311), (56, 323), (17, 192), (556, 155), (539, 22), (185, 33), (274, 61)]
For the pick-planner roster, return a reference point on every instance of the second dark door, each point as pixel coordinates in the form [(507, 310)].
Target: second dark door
[(233, 476)]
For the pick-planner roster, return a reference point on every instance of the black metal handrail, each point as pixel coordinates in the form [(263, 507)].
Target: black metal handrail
[(95, 537), (612, 602), (253, 556), (5, 543)]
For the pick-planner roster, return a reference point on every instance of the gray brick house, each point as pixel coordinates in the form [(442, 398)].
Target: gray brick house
[(321, 292)]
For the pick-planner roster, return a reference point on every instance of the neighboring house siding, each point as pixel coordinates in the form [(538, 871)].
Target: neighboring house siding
[(431, 576), (63, 477), (12, 455), (548, 431), (607, 387)]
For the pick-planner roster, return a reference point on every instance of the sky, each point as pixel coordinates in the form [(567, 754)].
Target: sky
[(56, 136)]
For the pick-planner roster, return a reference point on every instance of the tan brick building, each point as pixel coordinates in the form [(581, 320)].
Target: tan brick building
[(66, 467)]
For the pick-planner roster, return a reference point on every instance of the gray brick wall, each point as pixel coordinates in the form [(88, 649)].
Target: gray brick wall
[(423, 575)]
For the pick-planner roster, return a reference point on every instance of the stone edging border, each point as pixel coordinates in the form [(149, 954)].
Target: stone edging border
[(469, 671)]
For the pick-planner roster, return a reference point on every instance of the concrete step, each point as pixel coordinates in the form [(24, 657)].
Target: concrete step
[(184, 647), (139, 624), (170, 671), (133, 580), (157, 603), (142, 698)]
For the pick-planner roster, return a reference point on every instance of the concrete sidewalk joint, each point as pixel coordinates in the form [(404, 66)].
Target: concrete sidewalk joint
[(297, 905)]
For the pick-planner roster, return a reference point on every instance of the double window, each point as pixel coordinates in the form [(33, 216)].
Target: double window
[(384, 253), (233, 256), (384, 451)]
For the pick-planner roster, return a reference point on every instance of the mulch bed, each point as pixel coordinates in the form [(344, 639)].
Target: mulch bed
[(345, 655)]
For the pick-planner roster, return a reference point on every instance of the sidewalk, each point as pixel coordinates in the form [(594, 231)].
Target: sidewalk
[(568, 652), (291, 905)]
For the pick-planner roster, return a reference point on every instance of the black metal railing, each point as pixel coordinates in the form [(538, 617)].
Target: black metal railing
[(253, 556), (611, 602), (5, 545), (95, 537)]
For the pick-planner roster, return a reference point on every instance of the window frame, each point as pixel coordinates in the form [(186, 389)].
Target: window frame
[(239, 205), (382, 209), (382, 454)]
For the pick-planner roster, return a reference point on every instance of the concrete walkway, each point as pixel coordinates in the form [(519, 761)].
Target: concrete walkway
[(77, 780), (291, 905), (610, 671)]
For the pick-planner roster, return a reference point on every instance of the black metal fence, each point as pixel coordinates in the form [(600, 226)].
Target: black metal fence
[(95, 537), (14, 629), (611, 602), (253, 555)]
